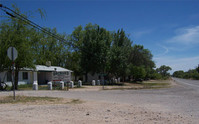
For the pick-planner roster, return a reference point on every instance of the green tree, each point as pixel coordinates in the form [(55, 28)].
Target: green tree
[(73, 63), (89, 51), (193, 74), (190, 74), (163, 70), (179, 74), (119, 54), (139, 56), (92, 45), (74, 55), (156, 76), (16, 33), (197, 68), (47, 48), (138, 72)]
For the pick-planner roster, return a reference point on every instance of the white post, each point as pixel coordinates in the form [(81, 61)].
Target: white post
[(118, 80), (62, 85), (115, 80), (93, 82), (79, 83), (50, 87), (98, 82), (35, 86), (71, 84), (35, 83)]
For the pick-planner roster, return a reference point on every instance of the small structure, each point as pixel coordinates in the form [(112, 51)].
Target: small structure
[(41, 75), (52, 73)]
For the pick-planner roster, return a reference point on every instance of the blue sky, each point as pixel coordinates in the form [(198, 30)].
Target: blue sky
[(169, 29)]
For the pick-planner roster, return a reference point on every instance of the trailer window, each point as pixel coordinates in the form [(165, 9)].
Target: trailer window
[(25, 75)]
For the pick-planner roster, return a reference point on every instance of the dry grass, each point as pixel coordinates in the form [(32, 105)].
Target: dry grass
[(37, 100), (152, 84)]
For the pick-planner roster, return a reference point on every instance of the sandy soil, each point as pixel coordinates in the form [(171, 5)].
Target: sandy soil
[(85, 112)]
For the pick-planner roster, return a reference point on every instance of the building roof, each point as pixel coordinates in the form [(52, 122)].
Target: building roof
[(51, 68), (47, 68)]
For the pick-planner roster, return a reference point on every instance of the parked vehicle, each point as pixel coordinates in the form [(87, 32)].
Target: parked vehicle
[(3, 86)]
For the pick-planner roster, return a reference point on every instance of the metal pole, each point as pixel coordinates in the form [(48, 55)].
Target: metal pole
[(103, 84), (103, 81), (13, 82), (67, 86)]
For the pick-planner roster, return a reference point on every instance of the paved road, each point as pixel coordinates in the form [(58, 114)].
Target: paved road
[(182, 98), (192, 84)]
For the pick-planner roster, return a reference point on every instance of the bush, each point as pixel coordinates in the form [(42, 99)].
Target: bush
[(138, 72), (195, 76), (156, 76)]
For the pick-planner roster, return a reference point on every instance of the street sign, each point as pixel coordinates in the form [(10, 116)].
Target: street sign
[(12, 53)]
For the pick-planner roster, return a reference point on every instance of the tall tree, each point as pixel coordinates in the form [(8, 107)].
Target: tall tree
[(179, 74), (74, 55), (93, 44), (197, 68), (137, 72), (163, 70), (139, 56), (119, 53), (15, 32), (47, 48)]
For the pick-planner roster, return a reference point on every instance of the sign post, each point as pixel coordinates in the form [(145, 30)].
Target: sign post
[(103, 81), (12, 54)]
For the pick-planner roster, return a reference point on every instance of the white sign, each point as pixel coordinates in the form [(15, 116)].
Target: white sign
[(12, 53)]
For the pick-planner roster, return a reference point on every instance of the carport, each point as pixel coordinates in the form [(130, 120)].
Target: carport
[(44, 77)]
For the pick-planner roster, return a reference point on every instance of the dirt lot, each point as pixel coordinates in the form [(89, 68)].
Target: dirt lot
[(86, 112), (98, 107)]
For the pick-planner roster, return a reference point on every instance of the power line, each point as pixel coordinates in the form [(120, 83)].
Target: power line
[(31, 23)]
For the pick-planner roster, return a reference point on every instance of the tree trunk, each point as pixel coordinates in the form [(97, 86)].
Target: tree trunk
[(129, 78), (86, 77), (123, 78), (75, 78)]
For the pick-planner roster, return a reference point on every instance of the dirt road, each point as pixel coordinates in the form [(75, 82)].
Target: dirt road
[(179, 104)]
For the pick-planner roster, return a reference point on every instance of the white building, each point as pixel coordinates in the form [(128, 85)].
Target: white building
[(41, 75)]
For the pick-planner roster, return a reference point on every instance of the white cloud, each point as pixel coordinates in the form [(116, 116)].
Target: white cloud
[(186, 36), (164, 48), (177, 63)]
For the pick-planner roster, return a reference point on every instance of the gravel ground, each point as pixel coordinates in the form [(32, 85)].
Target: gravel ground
[(179, 104), (85, 113)]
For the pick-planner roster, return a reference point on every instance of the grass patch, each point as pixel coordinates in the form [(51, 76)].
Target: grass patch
[(21, 87), (42, 87), (30, 87), (75, 101), (25, 87), (153, 84), (77, 87), (27, 99), (37, 100)]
